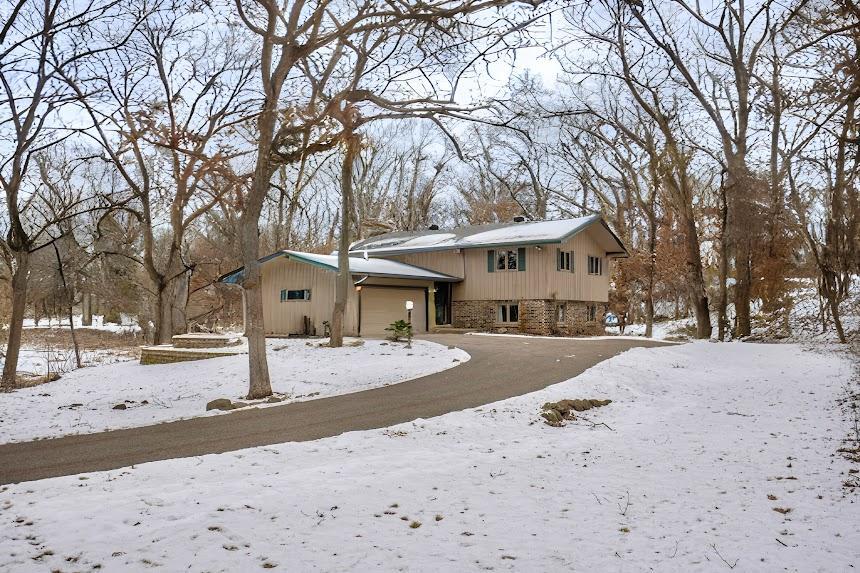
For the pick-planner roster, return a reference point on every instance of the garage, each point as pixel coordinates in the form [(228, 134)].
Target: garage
[(379, 306)]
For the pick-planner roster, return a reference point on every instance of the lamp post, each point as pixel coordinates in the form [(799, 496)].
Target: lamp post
[(409, 306)]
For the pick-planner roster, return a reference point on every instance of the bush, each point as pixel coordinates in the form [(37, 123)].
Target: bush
[(400, 329)]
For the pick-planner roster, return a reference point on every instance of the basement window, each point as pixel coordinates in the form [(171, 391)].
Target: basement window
[(291, 295), (508, 313), (592, 312), (560, 312)]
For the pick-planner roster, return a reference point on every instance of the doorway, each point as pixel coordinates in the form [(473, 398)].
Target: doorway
[(443, 303)]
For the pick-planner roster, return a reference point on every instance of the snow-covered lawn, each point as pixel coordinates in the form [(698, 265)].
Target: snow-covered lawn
[(83, 401), (704, 442)]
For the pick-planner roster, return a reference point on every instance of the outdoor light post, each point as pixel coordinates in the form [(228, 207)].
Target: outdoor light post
[(409, 306)]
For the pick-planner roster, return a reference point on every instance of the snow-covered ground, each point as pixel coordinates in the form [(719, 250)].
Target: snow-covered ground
[(83, 401), (129, 324), (701, 446)]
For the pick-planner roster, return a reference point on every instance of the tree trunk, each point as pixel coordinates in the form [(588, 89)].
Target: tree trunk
[(86, 309), (741, 223), (652, 271), (344, 281), (16, 321), (67, 293), (722, 318)]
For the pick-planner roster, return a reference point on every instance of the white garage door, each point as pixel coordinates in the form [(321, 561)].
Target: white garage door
[(382, 306)]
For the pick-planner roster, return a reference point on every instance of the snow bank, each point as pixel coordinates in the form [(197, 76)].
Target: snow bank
[(82, 401), (701, 435)]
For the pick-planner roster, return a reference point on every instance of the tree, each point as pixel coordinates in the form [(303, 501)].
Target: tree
[(170, 107), (289, 34), (39, 43)]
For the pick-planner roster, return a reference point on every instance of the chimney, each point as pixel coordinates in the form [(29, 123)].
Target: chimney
[(519, 219), (433, 228)]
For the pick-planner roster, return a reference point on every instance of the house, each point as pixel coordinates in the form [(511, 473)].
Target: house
[(540, 277)]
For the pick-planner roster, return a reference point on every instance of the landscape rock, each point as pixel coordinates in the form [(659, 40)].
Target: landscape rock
[(120, 407), (220, 404)]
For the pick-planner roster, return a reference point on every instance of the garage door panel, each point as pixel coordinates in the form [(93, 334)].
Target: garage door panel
[(382, 306)]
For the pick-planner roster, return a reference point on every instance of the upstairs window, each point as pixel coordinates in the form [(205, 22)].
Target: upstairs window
[(292, 295), (506, 260), (564, 261), (595, 265)]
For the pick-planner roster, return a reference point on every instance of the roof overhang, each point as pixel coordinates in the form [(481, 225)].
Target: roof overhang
[(235, 276)]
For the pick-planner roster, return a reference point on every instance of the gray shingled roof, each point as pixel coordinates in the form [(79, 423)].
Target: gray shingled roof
[(476, 236)]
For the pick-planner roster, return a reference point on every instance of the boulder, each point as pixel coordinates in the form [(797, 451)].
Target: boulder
[(220, 404), (120, 407)]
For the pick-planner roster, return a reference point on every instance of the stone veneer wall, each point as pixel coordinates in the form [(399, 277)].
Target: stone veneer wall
[(537, 316)]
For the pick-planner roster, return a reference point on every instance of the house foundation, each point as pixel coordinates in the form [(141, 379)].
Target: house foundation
[(546, 317)]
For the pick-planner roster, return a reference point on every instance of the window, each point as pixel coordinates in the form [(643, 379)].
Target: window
[(564, 261), (506, 260), (560, 312), (303, 294), (508, 313), (595, 265), (592, 312)]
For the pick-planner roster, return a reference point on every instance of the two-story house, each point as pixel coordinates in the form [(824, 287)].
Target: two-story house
[(540, 277)]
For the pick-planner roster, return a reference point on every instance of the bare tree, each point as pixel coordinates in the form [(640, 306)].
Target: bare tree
[(169, 115), (39, 42)]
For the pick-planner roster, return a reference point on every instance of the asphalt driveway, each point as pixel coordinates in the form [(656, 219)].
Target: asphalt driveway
[(501, 367)]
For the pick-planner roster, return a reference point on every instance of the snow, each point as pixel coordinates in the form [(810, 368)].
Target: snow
[(362, 266), (678, 479), (583, 338), (528, 232), (82, 401), (128, 324), (509, 234)]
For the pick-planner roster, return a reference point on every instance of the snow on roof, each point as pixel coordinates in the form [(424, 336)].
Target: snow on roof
[(531, 232), (357, 266), (371, 267)]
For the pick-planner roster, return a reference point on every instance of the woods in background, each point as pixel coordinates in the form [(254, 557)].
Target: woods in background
[(159, 144)]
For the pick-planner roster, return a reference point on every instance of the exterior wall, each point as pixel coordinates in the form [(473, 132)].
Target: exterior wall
[(447, 262), (285, 318), (537, 316), (540, 280)]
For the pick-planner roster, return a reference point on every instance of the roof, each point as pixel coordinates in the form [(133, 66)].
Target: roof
[(493, 235), (357, 266)]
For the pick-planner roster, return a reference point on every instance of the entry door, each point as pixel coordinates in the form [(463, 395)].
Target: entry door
[(380, 306), (443, 303)]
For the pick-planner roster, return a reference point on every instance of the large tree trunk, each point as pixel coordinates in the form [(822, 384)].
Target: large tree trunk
[(652, 271), (16, 322), (344, 277), (722, 305), (696, 284), (741, 224)]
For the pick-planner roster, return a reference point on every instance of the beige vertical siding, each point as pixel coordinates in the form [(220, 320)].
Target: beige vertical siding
[(540, 280), (284, 318), (447, 262)]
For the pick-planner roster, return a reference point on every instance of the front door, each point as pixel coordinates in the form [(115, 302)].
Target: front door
[(443, 303)]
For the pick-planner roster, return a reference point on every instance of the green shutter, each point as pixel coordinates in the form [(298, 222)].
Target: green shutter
[(572, 261), (521, 259), (491, 261), (558, 256)]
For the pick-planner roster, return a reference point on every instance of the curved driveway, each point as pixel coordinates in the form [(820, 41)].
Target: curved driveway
[(501, 367)]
